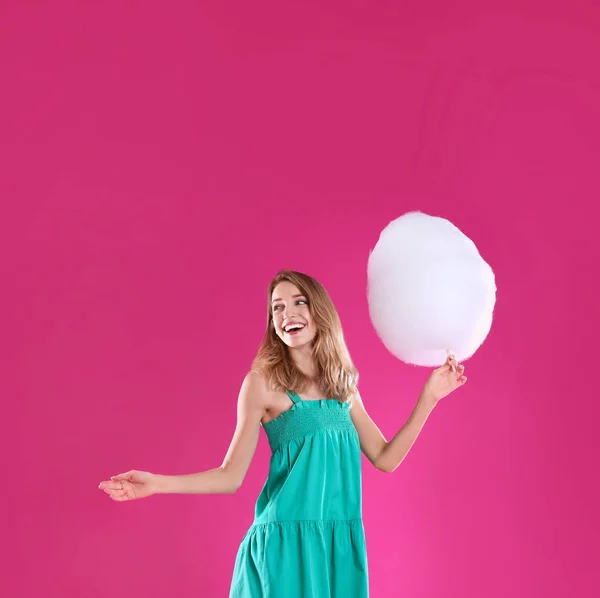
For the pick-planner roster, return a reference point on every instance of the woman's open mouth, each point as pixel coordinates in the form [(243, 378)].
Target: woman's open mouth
[(293, 328)]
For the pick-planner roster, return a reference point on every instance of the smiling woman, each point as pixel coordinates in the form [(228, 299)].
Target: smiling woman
[(290, 321), (315, 357), (307, 538)]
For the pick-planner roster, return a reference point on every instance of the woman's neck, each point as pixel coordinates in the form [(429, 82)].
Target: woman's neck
[(303, 360)]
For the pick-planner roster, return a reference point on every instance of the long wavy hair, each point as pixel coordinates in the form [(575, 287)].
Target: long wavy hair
[(336, 377)]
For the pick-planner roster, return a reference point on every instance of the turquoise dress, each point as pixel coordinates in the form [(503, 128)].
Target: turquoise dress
[(307, 539)]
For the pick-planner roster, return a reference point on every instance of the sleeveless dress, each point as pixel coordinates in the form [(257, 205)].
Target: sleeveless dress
[(307, 539)]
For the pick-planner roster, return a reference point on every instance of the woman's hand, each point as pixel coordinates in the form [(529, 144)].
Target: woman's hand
[(130, 485), (444, 380)]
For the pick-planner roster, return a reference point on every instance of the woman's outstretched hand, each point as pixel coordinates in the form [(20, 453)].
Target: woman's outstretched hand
[(130, 485), (444, 380)]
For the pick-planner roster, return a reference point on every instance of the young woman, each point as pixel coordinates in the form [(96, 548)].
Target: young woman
[(307, 538)]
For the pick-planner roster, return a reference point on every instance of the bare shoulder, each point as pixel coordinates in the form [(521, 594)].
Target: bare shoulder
[(255, 390), (254, 381), (356, 400), (263, 396)]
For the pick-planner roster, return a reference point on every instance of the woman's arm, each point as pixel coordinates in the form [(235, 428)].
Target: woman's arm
[(227, 478), (386, 456)]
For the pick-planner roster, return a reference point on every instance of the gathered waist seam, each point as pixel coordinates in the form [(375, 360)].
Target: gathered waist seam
[(281, 521)]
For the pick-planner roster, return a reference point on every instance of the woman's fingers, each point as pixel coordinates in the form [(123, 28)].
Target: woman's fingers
[(454, 365), (111, 485), (118, 496), (119, 488), (115, 483), (451, 362)]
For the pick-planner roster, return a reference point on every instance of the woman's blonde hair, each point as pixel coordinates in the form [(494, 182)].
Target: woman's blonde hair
[(336, 376)]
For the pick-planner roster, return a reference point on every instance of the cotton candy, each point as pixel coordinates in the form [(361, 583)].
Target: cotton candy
[(429, 290)]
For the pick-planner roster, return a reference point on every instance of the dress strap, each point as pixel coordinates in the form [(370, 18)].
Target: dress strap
[(295, 398)]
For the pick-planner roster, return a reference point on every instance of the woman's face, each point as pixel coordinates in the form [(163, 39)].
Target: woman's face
[(291, 315)]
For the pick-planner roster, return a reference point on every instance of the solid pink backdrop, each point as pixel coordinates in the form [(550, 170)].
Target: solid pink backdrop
[(161, 161)]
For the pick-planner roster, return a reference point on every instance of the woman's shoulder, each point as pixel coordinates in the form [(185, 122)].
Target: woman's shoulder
[(257, 384), (256, 380)]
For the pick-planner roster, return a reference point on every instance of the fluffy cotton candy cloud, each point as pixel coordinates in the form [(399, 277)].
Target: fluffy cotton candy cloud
[(429, 290)]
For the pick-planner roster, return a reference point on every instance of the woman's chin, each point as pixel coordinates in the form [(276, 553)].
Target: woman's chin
[(297, 343)]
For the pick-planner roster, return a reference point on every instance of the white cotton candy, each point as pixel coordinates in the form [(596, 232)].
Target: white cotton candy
[(429, 291)]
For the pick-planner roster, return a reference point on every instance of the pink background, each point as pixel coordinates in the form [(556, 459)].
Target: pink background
[(161, 161)]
